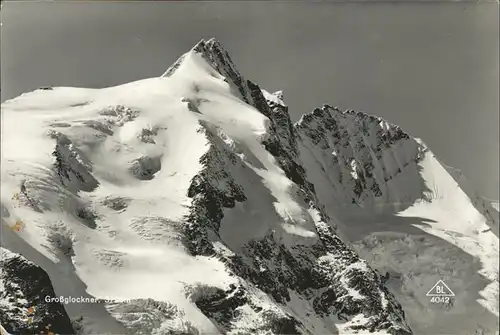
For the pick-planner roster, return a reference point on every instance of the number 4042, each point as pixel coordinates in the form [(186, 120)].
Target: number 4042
[(440, 300)]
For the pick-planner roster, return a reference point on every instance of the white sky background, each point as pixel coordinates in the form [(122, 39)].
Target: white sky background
[(430, 67)]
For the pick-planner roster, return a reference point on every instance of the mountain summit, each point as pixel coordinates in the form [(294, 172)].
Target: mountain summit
[(191, 204)]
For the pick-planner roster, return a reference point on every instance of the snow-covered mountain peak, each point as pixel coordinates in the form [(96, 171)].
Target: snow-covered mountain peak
[(212, 52), (365, 157), (195, 199)]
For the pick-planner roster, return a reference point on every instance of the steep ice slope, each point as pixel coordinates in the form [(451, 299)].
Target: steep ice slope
[(183, 200), (407, 216), (485, 207)]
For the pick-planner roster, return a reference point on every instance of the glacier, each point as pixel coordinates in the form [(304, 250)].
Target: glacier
[(190, 203)]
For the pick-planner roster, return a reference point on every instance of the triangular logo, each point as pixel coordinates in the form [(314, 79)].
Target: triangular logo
[(440, 290)]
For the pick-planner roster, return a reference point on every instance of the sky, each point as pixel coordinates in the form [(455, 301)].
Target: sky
[(430, 67)]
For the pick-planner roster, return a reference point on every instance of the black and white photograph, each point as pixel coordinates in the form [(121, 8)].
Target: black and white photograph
[(249, 167)]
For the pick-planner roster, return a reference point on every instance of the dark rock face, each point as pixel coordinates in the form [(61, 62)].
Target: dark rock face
[(87, 217), (222, 305), (360, 154), (73, 169), (274, 269), (211, 190), (116, 203), (27, 285), (144, 168)]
